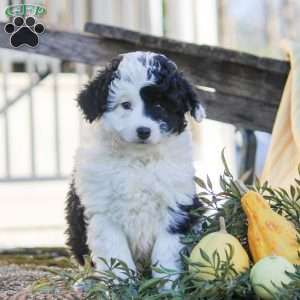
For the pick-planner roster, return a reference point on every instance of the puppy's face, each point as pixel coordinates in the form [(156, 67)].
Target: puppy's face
[(141, 97)]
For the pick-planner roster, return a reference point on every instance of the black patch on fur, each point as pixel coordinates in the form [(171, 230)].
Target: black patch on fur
[(184, 218), (171, 92), (76, 230), (93, 98)]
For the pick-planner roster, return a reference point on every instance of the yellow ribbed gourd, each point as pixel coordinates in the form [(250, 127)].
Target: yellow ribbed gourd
[(218, 241), (268, 232)]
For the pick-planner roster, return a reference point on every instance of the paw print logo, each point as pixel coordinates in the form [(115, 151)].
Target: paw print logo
[(24, 31)]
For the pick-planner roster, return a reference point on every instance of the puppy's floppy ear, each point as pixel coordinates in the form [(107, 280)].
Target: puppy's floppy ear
[(197, 111), (93, 98), (195, 108)]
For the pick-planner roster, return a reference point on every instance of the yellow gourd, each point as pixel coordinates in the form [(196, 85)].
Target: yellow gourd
[(218, 241), (268, 232)]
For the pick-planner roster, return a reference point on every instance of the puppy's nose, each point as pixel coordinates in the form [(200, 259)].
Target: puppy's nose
[(143, 132)]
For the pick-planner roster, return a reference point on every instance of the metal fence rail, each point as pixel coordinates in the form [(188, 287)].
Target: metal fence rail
[(27, 94), (35, 70)]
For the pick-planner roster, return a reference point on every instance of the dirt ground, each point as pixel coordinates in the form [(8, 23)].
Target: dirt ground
[(16, 281), (21, 268)]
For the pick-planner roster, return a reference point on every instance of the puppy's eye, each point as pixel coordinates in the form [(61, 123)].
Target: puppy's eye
[(126, 105)]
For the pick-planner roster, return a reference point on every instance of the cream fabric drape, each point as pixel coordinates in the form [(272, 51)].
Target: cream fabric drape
[(284, 155)]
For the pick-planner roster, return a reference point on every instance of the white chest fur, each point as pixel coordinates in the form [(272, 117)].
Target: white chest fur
[(134, 185)]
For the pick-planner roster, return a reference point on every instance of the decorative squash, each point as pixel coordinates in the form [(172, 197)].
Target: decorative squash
[(218, 241), (268, 232), (270, 273)]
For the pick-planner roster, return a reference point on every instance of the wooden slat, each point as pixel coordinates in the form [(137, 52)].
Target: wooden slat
[(77, 47), (171, 45), (227, 71), (247, 88)]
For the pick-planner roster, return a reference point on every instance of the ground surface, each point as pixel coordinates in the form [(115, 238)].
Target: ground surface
[(16, 281), (21, 268)]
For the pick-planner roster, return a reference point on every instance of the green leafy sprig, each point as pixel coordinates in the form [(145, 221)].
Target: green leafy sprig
[(188, 286)]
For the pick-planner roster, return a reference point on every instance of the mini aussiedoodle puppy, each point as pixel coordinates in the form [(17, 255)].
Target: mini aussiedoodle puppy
[(133, 185)]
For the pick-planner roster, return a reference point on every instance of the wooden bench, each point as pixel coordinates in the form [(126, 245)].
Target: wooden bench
[(235, 87)]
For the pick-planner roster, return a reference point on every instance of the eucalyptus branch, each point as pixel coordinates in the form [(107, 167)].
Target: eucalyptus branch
[(227, 285)]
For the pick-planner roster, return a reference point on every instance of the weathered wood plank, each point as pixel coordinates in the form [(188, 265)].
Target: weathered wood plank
[(230, 72), (238, 111), (171, 45), (71, 46), (248, 88)]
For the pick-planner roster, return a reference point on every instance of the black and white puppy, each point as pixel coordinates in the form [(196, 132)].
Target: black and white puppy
[(133, 182)]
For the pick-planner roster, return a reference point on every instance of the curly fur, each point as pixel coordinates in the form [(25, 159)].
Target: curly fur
[(133, 188)]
